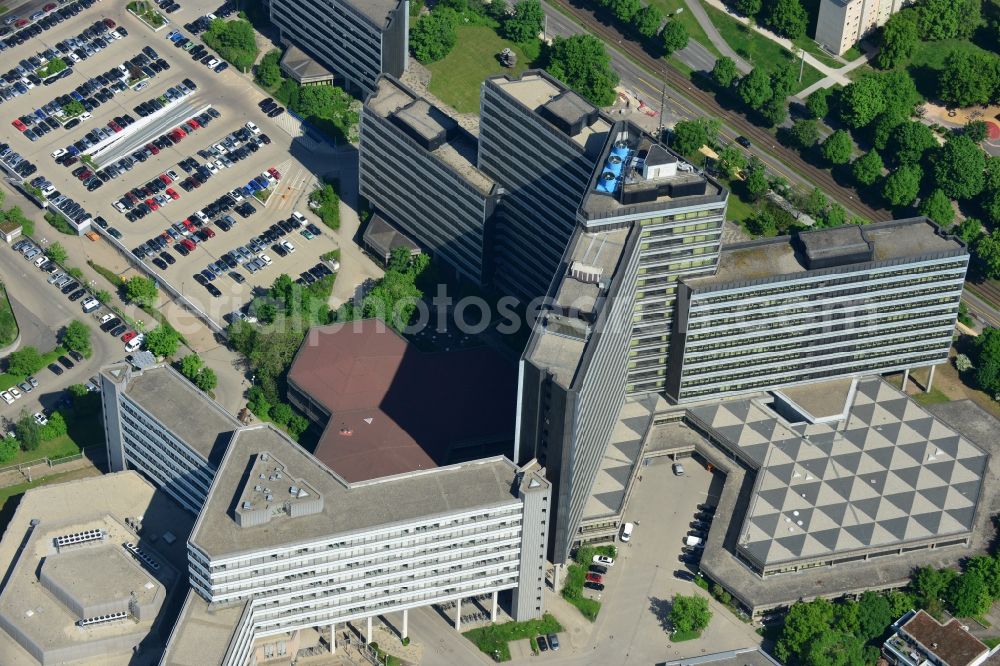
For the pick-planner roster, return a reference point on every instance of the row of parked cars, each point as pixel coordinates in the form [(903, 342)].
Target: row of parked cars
[(198, 52), (15, 162), (169, 6), (21, 78), (17, 30), (694, 542)]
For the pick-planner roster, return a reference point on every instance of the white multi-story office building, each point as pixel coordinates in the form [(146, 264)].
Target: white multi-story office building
[(843, 23), (829, 303), (355, 39), (282, 543)]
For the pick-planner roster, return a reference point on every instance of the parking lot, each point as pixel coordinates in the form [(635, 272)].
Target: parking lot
[(234, 100)]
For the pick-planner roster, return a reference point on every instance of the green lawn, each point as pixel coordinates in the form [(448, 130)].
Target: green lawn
[(681, 636), (7, 380), (687, 17), (492, 640), (8, 325), (737, 209), (933, 54), (852, 53), (457, 77), (812, 48), (934, 397), (756, 48), (992, 642)]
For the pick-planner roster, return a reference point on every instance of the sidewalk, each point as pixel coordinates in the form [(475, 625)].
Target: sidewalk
[(713, 34)]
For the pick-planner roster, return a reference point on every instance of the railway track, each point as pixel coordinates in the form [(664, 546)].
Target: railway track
[(703, 103)]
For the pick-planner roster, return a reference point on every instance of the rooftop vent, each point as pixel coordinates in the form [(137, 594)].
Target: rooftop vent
[(585, 273)]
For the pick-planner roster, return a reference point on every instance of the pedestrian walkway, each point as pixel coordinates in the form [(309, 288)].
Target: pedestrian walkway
[(713, 34), (830, 81)]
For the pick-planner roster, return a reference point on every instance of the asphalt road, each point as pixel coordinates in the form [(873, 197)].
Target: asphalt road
[(638, 71), (50, 309)]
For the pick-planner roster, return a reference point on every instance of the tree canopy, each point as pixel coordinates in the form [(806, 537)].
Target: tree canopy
[(690, 135), (818, 103), (862, 100), (969, 78), (25, 361), (268, 72), (582, 63), (434, 36), (525, 22), (960, 167), (868, 168), (675, 36), (838, 147), (141, 290), (648, 20), (788, 18), (689, 613), (76, 337), (902, 185), (899, 40), (724, 71), (938, 207), (909, 140), (755, 88), (948, 19), (163, 340), (234, 40)]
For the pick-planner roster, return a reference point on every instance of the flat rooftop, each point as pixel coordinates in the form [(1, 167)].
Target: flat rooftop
[(377, 11), (346, 508), (90, 574), (201, 635), (183, 409), (560, 338), (775, 257), (395, 409), (393, 100), (535, 89), (949, 642), (821, 400), (892, 474), (751, 656)]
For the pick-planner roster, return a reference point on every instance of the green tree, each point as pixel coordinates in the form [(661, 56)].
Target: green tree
[(749, 7), (836, 648), (648, 20), (281, 413), (834, 216), (882, 128), (775, 111), (969, 230), (25, 361), (862, 100), (968, 595), (724, 72), (235, 41), (786, 17), (902, 185), (948, 19), (206, 379), (804, 623), (297, 425), (976, 130), (756, 181), (73, 108), (29, 433), (909, 140), (960, 167), (899, 40), (938, 207), (103, 295), (9, 447), (142, 291), (818, 103), (269, 70), (163, 340), (755, 88), (525, 23), (838, 147), (969, 78), (868, 168), (76, 336), (805, 133), (763, 222), (626, 10), (434, 36), (56, 427), (690, 135), (899, 91), (899, 603), (56, 252), (815, 203), (874, 615), (689, 614), (582, 63), (988, 568), (191, 365), (258, 403), (988, 252), (731, 161), (675, 36), (930, 584), (991, 206)]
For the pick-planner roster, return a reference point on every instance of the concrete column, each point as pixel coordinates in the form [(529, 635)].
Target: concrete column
[(458, 615), (369, 640), (493, 612), (406, 622), (930, 379), (333, 638), (906, 378)]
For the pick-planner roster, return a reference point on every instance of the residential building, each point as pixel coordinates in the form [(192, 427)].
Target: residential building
[(417, 168), (90, 572), (843, 23), (540, 142), (357, 40), (391, 541), (847, 301), (646, 219), (918, 639)]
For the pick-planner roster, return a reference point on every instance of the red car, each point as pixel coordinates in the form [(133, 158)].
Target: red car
[(115, 127), (85, 174), (165, 179), (189, 244), (208, 232), (594, 578), (128, 335), (274, 172), (172, 194), (152, 204), (153, 149), (20, 23), (49, 7), (19, 125), (194, 123), (109, 23)]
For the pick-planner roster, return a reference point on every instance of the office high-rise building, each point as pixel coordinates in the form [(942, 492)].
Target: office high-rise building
[(828, 303), (540, 142), (355, 39), (417, 167)]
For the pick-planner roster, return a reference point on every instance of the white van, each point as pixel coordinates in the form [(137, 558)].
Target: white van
[(693, 541), (626, 532)]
